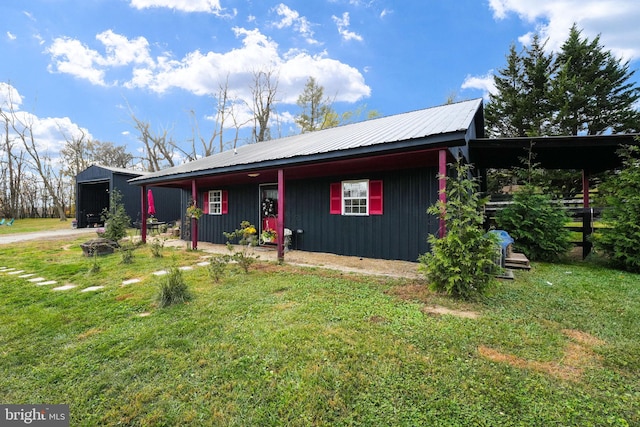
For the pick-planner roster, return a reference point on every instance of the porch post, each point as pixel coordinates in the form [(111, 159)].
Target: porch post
[(442, 187), (145, 207), (585, 188), (194, 222), (280, 220), (587, 216)]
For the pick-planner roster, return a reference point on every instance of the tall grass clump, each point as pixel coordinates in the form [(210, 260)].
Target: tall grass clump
[(173, 289)]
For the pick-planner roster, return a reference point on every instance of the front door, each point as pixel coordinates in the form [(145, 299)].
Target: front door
[(268, 213)]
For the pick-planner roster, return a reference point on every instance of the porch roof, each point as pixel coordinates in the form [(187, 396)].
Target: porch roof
[(446, 125), (595, 153)]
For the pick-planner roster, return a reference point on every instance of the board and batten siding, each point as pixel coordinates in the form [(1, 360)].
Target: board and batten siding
[(399, 233)]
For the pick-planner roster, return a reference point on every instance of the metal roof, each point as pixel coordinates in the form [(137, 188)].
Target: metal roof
[(431, 125)]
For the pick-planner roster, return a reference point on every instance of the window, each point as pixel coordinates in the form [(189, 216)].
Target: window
[(361, 197), (355, 197), (215, 202)]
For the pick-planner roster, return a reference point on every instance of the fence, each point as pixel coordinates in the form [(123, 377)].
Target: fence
[(584, 221)]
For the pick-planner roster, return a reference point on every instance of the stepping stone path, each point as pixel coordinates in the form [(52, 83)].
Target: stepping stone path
[(41, 281)]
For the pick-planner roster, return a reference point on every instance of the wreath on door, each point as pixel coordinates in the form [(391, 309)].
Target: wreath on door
[(269, 207)]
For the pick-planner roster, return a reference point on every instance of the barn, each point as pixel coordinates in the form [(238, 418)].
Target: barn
[(95, 184), (360, 189)]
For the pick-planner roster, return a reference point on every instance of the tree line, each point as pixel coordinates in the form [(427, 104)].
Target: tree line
[(35, 184)]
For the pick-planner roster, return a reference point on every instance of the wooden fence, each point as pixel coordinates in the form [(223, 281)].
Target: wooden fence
[(583, 220)]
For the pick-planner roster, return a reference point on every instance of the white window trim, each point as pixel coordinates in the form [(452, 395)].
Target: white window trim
[(213, 204), (366, 198)]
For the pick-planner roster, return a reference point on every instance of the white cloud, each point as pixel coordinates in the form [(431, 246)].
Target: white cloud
[(70, 56), (201, 73), (291, 18), (484, 83), (9, 96), (343, 27), (11, 36), (615, 20), (209, 6), (49, 133)]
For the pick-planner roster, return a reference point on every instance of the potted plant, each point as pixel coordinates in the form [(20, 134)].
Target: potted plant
[(268, 235), (193, 211)]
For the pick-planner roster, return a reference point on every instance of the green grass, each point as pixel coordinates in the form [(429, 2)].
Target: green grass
[(290, 346), (34, 224)]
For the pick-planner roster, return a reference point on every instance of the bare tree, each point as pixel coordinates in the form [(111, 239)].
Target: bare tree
[(21, 125), (159, 149), (12, 173), (263, 91)]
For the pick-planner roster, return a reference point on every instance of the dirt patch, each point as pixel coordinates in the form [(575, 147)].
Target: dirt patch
[(89, 333), (578, 355), (344, 264), (437, 310), (411, 292)]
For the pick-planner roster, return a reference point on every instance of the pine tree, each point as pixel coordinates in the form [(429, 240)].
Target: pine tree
[(592, 91), (504, 113), (522, 103)]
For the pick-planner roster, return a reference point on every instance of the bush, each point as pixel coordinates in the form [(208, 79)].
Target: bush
[(536, 224), (246, 238), (461, 264), (156, 247), (217, 266), (173, 289), (115, 218), (620, 238)]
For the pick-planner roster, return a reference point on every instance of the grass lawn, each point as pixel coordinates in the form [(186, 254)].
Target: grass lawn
[(35, 224), (560, 345)]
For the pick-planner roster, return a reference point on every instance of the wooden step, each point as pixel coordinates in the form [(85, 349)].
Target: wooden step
[(517, 260)]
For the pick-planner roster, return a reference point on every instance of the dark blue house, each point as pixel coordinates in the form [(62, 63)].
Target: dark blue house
[(361, 189)]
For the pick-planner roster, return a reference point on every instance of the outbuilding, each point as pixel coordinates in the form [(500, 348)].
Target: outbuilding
[(95, 184)]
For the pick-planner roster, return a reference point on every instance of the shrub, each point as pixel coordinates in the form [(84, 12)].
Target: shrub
[(173, 289), (246, 238), (156, 247), (126, 253), (115, 218), (620, 238), (536, 224), (217, 266), (461, 264)]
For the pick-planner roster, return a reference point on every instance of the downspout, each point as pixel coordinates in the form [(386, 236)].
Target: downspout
[(442, 187), (280, 220), (194, 222), (145, 207)]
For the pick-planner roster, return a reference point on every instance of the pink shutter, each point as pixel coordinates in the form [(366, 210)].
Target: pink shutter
[(205, 202), (225, 202), (375, 198), (335, 206)]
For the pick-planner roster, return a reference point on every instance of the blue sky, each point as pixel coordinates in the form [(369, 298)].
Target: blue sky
[(90, 64)]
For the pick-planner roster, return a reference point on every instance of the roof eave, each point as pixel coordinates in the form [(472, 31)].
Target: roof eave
[(445, 140)]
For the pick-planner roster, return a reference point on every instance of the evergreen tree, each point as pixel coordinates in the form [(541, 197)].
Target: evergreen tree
[(461, 264), (592, 91), (521, 106), (620, 239), (317, 112), (504, 112)]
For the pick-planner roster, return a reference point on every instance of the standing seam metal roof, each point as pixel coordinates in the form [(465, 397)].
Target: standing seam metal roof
[(425, 123)]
